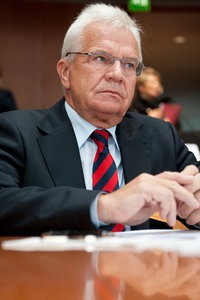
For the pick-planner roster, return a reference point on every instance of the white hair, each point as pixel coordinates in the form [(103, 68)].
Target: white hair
[(99, 13)]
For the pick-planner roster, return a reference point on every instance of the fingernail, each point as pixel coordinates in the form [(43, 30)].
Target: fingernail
[(182, 215)]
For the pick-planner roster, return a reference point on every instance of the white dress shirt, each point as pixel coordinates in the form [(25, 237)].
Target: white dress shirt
[(87, 149)]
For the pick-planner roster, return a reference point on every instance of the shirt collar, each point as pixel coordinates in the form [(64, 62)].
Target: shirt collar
[(82, 128)]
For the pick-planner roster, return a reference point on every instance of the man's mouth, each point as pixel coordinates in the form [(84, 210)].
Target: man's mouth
[(112, 92)]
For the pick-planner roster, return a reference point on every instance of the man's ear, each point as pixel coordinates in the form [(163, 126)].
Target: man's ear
[(63, 71)]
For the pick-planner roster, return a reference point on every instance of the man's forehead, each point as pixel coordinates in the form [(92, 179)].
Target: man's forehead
[(97, 35)]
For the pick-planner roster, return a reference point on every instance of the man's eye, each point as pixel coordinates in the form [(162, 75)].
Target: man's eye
[(130, 65), (101, 59)]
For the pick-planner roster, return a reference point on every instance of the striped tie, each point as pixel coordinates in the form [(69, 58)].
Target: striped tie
[(104, 175)]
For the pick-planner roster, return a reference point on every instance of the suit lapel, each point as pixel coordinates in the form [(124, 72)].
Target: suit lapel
[(59, 148), (135, 147)]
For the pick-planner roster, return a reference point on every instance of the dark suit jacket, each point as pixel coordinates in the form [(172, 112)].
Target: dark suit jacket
[(41, 179), (7, 101)]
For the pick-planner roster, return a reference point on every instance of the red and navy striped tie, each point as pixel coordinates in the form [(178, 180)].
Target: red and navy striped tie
[(104, 175)]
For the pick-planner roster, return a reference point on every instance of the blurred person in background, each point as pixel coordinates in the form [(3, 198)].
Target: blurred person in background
[(7, 100), (150, 99)]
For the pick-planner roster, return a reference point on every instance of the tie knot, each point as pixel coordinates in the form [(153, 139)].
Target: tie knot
[(100, 136)]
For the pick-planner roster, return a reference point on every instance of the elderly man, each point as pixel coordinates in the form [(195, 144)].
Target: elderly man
[(86, 164)]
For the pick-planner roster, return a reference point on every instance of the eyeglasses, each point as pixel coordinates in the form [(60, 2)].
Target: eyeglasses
[(102, 61)]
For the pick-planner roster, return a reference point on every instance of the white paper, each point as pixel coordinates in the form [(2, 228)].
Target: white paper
[(194, 149), (186, 243)]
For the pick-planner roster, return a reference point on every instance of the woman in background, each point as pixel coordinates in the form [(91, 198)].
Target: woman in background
[(150, 98)]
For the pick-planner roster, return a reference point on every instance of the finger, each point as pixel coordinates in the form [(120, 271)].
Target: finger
[(195, 189), (170, 216), (144, 214), (195, 185), (168, 192), (166, 203), (183, 209), (190, 170), (194, 216), (186, 201), (181, 194), (181, 178)]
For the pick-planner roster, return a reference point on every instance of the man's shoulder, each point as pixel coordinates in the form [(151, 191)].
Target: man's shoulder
[(136, 117), (30, 115), (23, 114), (146, 125), (32, 120)]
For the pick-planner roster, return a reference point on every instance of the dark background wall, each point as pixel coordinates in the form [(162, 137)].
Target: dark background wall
[(32, 32)]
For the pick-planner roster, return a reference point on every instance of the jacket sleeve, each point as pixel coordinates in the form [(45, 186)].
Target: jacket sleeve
[(31, 209)]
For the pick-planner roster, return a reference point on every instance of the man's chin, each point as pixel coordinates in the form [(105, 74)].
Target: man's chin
[(112, 107), (112, 112)]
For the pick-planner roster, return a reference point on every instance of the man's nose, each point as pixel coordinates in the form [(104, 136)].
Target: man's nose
[(115, 70)]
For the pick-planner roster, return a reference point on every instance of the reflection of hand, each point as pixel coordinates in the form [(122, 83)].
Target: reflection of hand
[(151, 273)]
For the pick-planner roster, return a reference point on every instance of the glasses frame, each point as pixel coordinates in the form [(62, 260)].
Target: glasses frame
[(139, 66)]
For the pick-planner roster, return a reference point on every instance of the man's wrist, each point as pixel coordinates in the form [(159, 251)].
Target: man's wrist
[(103, 208)]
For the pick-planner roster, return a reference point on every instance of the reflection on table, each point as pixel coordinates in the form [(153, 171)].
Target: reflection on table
[(151, 275)]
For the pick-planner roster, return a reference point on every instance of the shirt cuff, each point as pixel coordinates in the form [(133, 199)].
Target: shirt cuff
[(93, 213)]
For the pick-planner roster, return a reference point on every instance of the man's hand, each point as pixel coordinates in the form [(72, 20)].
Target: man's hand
[(193, 217), (135, 202)]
